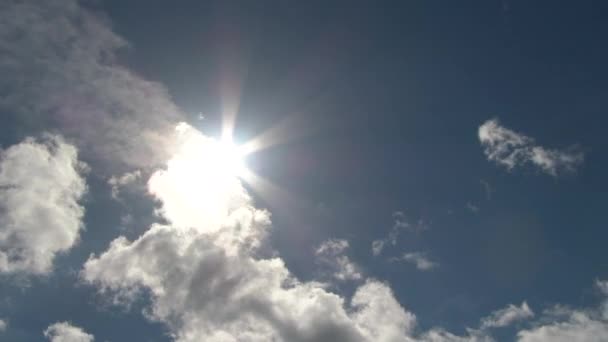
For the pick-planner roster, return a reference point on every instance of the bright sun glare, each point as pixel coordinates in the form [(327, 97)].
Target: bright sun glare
[(228, 157)]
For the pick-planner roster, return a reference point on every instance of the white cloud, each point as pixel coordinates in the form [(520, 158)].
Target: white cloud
[(562, 324), (65, 332), (507, 316), (3, 325), (41, 183), (511, 149), (419, 259), (579, 326), (331, 254)]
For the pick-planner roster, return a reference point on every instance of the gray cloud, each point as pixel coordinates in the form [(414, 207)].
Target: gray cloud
[(59, 70), (511, 149), (41, 183)]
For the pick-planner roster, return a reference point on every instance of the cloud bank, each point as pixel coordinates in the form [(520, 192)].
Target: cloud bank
[(511, 149), (41, 184)]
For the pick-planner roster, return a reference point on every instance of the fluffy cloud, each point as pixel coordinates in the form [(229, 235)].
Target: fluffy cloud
[(419, 259), (507, 316), (511, 149), (578, 326), (331, 254), (58, 68), (41, 183), (3, 325), (65, 332)]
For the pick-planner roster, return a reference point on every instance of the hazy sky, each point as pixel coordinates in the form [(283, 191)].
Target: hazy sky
[(303, 171)]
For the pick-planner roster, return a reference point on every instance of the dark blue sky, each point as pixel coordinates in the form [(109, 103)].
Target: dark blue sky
[(382, 102)]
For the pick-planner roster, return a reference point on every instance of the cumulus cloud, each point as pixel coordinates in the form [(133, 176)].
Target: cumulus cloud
[(41, 184), (418, 259), (65, 332), (3, 325), (578, 326), (59, 69), (208, 281), (330, 253), (507, 316), (511, 149)]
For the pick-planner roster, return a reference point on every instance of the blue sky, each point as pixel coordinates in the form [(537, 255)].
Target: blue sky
[(420, 171)]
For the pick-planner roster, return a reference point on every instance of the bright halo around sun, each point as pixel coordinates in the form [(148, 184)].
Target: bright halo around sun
[(202, 182)]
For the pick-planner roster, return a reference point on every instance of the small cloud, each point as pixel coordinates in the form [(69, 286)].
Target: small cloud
[(472, 207), (418, 259), (331, 254), (3, 325), (66, 332), (118, 182), (377, 247), (511, 149), (507, 316)]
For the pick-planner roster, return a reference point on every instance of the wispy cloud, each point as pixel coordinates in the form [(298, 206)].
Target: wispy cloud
[(331, 254), (487, 188), (59, 71), (472, 208), (418, 259), (400, 224), (511, 149), (507, 316)]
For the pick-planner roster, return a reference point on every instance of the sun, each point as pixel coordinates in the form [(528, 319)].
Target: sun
[(228, 157)]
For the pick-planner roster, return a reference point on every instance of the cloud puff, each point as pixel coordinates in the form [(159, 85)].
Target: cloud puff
[(3, 325), (41, 183), (331, 254), (65, 332), (419, 259), (59, 70), (507, 316), (208, 281), (511, 149)]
